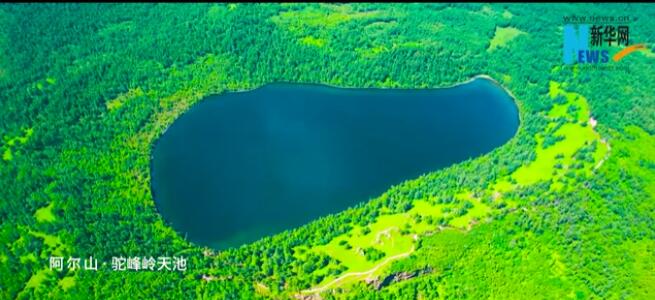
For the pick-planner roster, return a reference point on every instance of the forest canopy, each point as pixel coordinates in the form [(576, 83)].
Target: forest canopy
[(564, 209)]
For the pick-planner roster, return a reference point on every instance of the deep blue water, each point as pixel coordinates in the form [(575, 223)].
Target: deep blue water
[(239, 166)]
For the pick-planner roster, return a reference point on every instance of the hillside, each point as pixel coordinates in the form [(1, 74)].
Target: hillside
[(565, 209)]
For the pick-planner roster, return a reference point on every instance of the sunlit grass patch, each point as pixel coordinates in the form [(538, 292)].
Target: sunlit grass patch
[(502, 36), (38, 278), (67, 282), (312, 41), (552, 159), (44, 214)]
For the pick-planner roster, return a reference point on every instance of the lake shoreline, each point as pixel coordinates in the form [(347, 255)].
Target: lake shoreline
[(428, 119)]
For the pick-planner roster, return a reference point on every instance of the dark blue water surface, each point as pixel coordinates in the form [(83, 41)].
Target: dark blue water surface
[(239, 166)]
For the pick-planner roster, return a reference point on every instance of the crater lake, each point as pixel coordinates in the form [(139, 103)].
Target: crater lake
[(240, 166)]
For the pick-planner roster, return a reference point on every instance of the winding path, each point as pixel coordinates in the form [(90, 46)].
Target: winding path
[(371, 271)]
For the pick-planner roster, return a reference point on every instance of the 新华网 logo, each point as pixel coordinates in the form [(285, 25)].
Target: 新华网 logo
[(591, 44)]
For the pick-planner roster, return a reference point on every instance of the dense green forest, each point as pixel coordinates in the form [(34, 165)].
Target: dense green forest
[(565, 209)]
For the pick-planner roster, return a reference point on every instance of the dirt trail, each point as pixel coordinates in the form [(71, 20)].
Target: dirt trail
[(371, 271)]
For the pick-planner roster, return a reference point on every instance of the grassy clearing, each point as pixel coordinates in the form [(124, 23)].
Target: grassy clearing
[(27, 258), (325, 16), (643, 266), (312, 41), (38, 278), (478, 211), (393, 234), (8, 142), (382, 235), (503, 36), (6, 155), (543, 168), (121, 99), (262, 289), (49, 240), (67, 282), (320, 19), (52, 242), (44, 214), (575, 133), (507, 14), (371, 52), (396, 234)]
